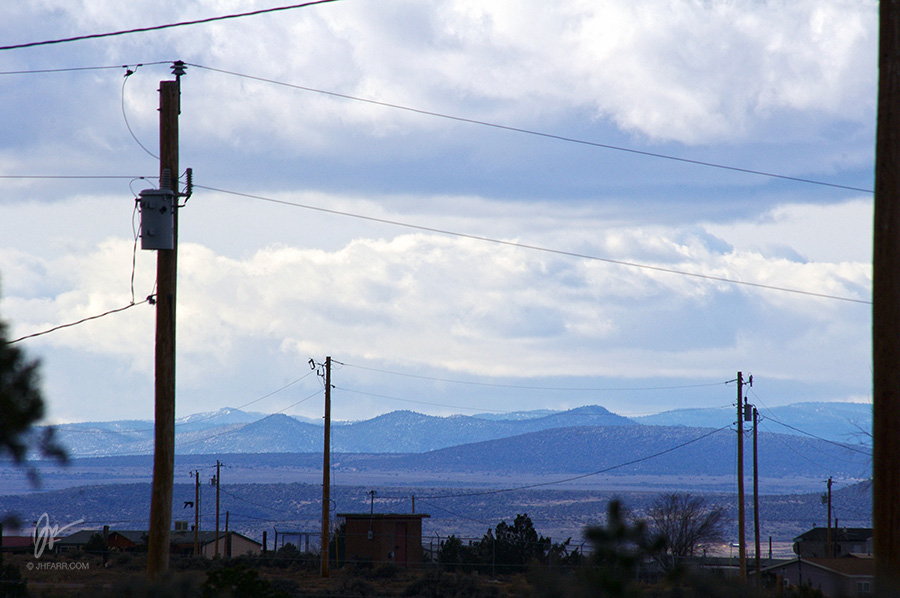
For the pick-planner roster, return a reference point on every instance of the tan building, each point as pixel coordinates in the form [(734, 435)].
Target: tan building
[(843, 541), (182, 542), (834, 577)]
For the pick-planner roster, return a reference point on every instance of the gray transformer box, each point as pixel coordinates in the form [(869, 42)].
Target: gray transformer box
[(157, 219)]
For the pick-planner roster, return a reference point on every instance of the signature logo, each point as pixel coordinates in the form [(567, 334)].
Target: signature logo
[(45, 534)]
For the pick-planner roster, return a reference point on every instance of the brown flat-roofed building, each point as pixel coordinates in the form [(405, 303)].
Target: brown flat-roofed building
[(380, 538)]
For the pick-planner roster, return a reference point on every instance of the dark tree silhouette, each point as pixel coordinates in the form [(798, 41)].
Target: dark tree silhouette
[(619, 549), (22, 406), (517, 544)]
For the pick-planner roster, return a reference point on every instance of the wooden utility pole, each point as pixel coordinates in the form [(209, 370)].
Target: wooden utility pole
[(197, 513), (218, 483), (227, 540), (756, 496), (829, 548), (326, 470), (742, 538), (886, 309), (166, 279)]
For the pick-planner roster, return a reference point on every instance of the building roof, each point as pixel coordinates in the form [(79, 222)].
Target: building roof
[(17, 541), (205, 537), (139, 536), (841, 534), (133, 535), (78, 538), (848, 566)]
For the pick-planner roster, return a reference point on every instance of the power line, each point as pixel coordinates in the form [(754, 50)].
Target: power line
[(537, 247), (182, 445), (81, 321), (418, 110), (125, 115), (584, 475), (265, 396), (595, 144), (255, 504), (211, 416), (371, 394), (838, 444), (166, 26), (81, 68), (520, 387), (75, 176), (781, 423)]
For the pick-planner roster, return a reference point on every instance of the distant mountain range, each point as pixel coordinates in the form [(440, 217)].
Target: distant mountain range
[(405, 432), (635, 450), (840, 422)]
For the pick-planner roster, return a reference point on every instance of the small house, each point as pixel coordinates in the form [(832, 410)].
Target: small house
[(834, 577), (844, 541)]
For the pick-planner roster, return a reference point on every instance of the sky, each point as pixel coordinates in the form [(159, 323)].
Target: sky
[(470, 206)]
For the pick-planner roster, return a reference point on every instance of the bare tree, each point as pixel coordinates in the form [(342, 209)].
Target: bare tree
[(685, 522)]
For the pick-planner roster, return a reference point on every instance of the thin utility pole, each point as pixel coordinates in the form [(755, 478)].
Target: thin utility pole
[(197, 513), (829, 549), (742, 539), (756, 496), (326, 469), (886, 309), (218, 483), (166, 279)]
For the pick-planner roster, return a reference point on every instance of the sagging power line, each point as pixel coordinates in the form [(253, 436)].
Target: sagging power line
[(539, 248)]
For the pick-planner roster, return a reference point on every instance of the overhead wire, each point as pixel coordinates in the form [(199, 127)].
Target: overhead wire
[(230, 431), (128, 75), (380, 396), (81, 321), (769, 416), (523, 387), (74, 176), (538, 133), (580, 476), (557, 137), (848, 447), (518, 245), (250, 502), (164, 26), (208, 417), (79, 68)]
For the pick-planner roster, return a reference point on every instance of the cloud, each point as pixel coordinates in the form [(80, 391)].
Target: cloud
[(773, 86), (682, 71), (462, 305)]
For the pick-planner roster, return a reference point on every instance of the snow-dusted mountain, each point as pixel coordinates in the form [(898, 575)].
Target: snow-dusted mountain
[(234, 431)]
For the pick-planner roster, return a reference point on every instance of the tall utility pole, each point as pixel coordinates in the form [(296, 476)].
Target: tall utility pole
[(829, 549), (218, 483), (166, 278), (197, 513), (886, 309), (742, 539), (756, 496), (326, 469)]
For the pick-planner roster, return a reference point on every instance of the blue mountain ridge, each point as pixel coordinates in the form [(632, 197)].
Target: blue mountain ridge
[(401, 432)]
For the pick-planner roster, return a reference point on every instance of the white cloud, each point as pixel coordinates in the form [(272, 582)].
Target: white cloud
[(686, 71), (768, 85), (462, 305)]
